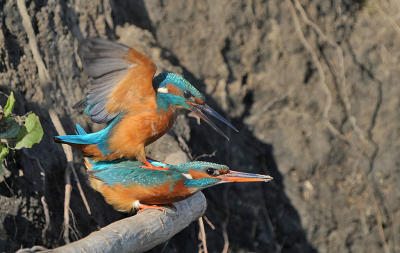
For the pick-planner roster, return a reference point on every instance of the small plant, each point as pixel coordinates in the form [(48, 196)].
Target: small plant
[(17, 132)]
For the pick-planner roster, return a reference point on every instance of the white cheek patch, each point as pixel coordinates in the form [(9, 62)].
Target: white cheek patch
[(162, 90), (188, 176)]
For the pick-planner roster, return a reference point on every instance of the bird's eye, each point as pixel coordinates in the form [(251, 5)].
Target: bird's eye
[(210, 171), (187, 94)]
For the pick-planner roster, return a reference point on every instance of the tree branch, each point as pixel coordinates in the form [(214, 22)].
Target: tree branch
[(142, 231)]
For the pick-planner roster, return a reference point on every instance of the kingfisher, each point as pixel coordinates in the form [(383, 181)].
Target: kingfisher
[(128, 187), (139, 108)]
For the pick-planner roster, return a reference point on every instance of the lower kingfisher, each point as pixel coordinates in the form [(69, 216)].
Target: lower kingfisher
[(139, 109), (127, 186)]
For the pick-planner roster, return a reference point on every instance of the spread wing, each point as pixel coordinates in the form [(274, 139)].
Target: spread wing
[(120, 79)]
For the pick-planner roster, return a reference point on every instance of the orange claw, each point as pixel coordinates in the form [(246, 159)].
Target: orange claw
[(143, 207), (152, 167)]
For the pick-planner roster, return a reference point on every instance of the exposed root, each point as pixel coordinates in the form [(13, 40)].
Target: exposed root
[(185, 147), (315, 59), (44, 80), (226, 221), (344, 96), (43, 199), (194, 115), (204, 155), (209, 222), (164, 247), (47, 217), (354, 172), (67, 199), (377, 211), (74, 230), (202, 237), (257, 115), (342, 77), (33, 249), (78, 183), (388, 18)]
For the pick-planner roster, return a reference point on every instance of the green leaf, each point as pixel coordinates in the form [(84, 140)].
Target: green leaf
[(11, 131), (10, 105), (34, 132), (3, 153), (31, 121)]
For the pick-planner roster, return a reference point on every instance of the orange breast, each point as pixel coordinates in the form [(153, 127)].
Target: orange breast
[(136, 130), (123, 198), (136, 89)]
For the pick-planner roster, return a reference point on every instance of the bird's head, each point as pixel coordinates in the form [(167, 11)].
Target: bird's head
[(176, 91), (205, 174)]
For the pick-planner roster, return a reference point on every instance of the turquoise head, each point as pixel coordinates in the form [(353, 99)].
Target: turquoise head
[(173, 90)]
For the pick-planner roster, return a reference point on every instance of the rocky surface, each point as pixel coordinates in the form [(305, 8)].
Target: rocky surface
[(315, 99)]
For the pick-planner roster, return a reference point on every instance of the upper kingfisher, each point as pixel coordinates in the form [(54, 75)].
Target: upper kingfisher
[(139, 109), (127, 186)]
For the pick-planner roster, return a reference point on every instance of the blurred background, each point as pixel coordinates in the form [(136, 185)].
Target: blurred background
[(312, 86)]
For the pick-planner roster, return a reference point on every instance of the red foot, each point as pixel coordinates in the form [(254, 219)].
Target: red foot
[(143, 207), (152, 167)]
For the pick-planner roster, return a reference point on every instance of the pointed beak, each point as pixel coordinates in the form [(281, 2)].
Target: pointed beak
[(197, 108), (236, 176)]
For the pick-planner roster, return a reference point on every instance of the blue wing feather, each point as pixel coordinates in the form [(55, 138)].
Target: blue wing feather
[(129, 172), (104, 62)]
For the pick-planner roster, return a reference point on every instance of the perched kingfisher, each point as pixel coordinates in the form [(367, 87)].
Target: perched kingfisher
[(139, 109), (127, 186)]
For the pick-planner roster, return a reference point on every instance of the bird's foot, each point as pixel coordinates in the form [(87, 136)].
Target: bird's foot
[(152, 167), (172, 206), (143, 207)]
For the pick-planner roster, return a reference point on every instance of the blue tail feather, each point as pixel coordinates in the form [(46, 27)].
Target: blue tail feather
[(80, 130), (100, 138)]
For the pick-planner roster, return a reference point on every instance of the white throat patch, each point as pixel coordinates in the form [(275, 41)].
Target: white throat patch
[(162, 90)]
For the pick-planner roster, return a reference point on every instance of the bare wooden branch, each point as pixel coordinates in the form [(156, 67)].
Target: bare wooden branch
[(142, 231)]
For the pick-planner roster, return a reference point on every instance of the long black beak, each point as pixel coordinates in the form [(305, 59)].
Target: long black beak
[(196, 109)]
